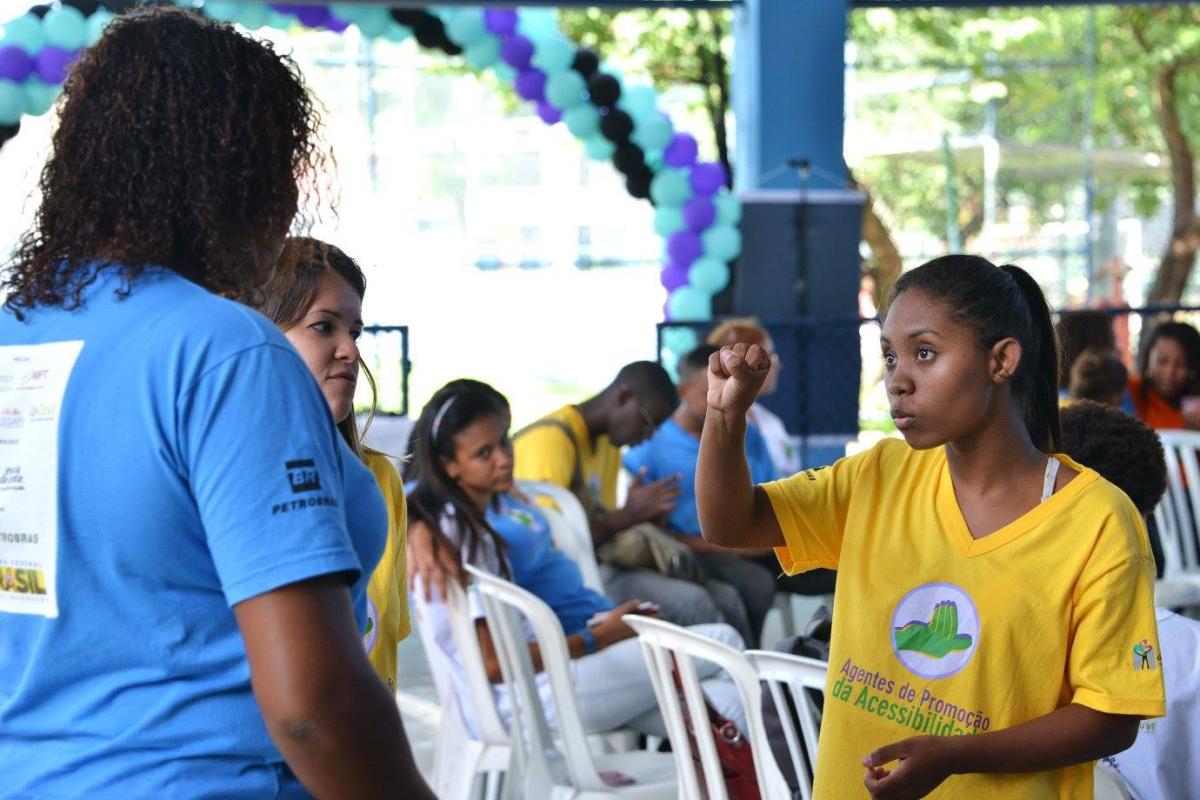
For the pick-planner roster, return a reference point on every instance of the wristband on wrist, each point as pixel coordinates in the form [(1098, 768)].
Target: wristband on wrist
[(590, 645)]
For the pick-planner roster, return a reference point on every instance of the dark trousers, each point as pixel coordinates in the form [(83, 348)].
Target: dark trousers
[(754, 583)]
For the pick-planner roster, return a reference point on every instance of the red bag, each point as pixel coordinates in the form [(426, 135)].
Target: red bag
[(733, 749)]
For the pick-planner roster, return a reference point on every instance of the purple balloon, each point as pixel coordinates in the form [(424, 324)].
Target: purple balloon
[(336, 25), (684, 247), (15, 64), (699, 212), (517, 51), (548, 113), (313, 16), (53, 64), (708, 177), (673, 276), (531, 84), (286, 8), (682, 151), (500, 21)]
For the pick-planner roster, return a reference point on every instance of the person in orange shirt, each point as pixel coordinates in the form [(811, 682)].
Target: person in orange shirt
[(1166, 393)]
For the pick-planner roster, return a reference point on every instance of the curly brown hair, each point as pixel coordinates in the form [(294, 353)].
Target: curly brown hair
[(181, 143)]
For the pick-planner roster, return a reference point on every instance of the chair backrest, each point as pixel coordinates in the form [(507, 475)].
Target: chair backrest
[(492, 730), (1183, 498), (505, 604), (569, 527), (667, 648), (790, 677)]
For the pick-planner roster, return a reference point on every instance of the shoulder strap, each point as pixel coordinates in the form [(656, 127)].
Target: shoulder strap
[(577, 487)]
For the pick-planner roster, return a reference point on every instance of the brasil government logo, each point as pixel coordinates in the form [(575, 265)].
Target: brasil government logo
[(935, 630)]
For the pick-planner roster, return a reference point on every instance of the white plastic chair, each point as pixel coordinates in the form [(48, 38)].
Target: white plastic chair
[(459, 758), (665, 645), (1175, 519), (789, 676), (566, 768), (568, 526), (1108, 785)]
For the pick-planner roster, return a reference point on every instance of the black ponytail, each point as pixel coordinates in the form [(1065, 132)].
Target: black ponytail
[(1040, 393), (999, 303)]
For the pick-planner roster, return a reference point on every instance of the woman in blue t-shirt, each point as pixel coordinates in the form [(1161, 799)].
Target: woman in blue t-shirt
[(198, 533), (465, 493)]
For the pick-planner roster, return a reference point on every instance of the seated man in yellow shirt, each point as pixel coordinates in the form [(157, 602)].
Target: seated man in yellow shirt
[(577, 447)]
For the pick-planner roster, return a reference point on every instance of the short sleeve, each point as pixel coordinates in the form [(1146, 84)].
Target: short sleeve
[(1115, 663), (263, 464), (638, 458), (544, 454), (811, 508)]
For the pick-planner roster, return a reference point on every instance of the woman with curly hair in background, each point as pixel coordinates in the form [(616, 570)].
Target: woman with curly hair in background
[(183, 543)]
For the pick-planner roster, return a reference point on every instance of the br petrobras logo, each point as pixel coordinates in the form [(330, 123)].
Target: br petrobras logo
[(303, 475), (935, 630)]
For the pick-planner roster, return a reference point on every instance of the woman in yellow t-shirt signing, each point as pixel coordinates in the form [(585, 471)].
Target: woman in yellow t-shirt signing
[(315, 296), (994, 600)]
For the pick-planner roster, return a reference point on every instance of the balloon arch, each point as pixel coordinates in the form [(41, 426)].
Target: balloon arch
[(695, 212)]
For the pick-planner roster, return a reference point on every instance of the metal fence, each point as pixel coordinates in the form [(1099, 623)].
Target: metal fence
[(384, 349)]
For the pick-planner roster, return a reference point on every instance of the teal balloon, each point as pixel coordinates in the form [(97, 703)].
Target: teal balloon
[(729, 208), (680, 340), (723, 243), (537, 24), (348, 12), (397, 33), (483, 53), (221, 12), (671, 187), (667, 220), (26, 33), (553, 55), (374, 23), (670, 362), (505, 73), (639, 100), (598, 148), (708, 275), (566, 90), (253, 16), (582, 121), (96, 24), (654, 133), (280, 22), (12, 102), (65, 27), (466, 28), (689, 303), (39, 96)]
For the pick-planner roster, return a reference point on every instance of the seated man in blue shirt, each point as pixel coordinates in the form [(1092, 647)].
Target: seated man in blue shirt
[(673, 450)]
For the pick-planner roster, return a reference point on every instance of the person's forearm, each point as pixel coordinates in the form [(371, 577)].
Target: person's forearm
[(352, 745), (1073, 734), (724, 492), (607, 524)]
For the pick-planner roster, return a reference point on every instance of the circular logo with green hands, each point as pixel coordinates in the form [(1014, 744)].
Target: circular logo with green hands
[(935, 630)]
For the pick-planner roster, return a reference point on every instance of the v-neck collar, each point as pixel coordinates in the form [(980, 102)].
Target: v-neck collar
[(952, 517)]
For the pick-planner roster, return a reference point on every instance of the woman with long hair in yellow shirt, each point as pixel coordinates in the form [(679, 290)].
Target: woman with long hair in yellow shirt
[(994, 602), (315, 296)]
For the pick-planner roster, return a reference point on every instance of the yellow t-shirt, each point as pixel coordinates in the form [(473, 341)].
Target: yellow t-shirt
[(387, 593), (545, 454), (935, 632)]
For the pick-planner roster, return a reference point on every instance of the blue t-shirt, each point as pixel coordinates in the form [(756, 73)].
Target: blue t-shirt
[(539, 567), (198, 467), (674, 451)]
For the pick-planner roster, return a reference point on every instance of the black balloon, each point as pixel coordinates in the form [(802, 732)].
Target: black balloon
[(409, 17), (586, 62), (429, 32), (629, 158), (39, 10), (604, 90), (119, 6), (617, 126), (638, 184), (85, 7)]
